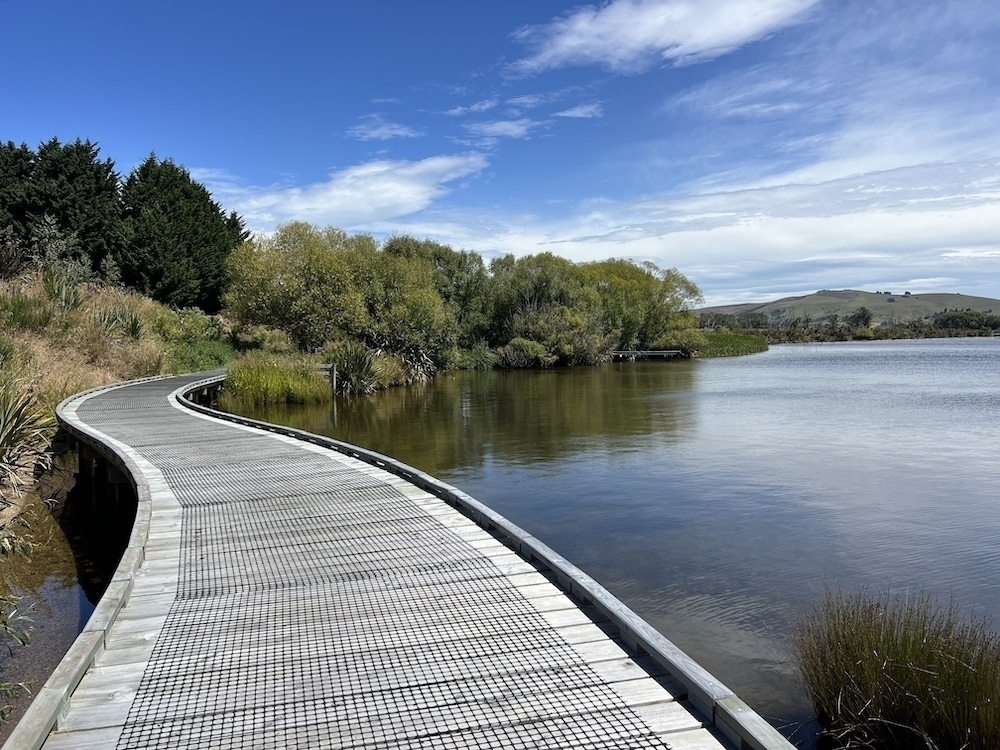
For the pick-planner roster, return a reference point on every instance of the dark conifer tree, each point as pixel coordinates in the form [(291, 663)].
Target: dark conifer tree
[(16, 164), (70, 184), (178, 238)]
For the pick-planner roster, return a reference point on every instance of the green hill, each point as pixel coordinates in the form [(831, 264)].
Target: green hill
[(885, 308)]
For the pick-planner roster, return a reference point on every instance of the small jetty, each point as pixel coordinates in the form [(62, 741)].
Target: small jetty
[(282, 589), (646, 354)]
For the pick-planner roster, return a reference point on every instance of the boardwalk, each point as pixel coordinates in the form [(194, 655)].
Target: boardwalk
[(278, 593)]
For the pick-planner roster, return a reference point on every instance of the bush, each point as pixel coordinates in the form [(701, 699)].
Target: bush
[(25, 431), (689, 341), (479, 357), (521, 353), (354, 369), (900, 672), (258, 379)]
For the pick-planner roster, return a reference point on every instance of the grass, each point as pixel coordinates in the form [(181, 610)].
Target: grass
[(900, 672), (724, 343), (257, 379)]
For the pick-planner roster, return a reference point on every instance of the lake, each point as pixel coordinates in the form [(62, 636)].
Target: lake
[(717, 498)]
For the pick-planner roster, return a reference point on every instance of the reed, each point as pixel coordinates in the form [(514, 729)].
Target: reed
[(258, 379), (900, 672), (723, 343)]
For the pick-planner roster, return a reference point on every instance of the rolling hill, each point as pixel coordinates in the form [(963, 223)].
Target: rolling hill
[(885, 308)]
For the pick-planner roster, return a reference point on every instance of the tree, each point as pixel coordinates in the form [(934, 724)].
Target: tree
[(79, 193), (177, 237), (16, 164), (860, 318)]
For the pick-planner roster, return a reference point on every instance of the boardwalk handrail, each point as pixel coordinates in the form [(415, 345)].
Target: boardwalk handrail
[(728, 712)]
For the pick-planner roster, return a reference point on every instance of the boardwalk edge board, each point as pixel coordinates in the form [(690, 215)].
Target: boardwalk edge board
[(742, 726)]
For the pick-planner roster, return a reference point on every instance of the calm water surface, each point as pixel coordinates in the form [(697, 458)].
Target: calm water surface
[(716, 497)]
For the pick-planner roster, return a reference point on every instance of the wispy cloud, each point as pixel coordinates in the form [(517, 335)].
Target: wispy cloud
[(373, 128), (351, 197), (632, 35), (484, 105), (583, 111), (520, 128)]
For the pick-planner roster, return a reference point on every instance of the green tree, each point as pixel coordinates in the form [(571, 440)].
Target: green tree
[(79, 192), (460, 279), (16, 164), (177, 237), (860, 318)]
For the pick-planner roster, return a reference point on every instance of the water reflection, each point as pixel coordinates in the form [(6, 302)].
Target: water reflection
[(461, 420), (715, 498)]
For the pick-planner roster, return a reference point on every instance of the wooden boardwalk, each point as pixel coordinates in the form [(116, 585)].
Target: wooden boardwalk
[(279, 593)]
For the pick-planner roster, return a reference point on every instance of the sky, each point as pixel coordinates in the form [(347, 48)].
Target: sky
[(765, 148)]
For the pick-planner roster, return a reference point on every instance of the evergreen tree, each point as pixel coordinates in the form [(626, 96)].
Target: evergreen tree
[(79, 192), (16, 163), (177, 237)]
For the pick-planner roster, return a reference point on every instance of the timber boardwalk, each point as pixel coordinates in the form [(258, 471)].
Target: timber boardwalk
[(279, 591)]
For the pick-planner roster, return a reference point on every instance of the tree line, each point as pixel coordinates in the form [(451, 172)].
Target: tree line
[(157, 231), (857, 325), (436, 307)]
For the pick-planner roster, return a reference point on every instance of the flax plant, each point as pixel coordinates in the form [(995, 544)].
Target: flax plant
[(25, 431)]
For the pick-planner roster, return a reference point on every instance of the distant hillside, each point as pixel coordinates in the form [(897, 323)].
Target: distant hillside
[(885, 308)]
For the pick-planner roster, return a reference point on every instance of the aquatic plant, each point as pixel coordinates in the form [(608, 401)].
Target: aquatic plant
[(257, 379), (900, 671)]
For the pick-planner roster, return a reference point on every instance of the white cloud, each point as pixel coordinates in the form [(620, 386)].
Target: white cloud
[(520, 128), (373, 128), (481, 106), (349, 198), (582, 111), (631, 35)]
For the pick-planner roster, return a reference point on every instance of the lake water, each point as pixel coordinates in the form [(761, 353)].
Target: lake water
[(716, 497)]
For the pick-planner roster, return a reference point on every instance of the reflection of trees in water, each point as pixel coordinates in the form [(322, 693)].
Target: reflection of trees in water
[(461, 418)]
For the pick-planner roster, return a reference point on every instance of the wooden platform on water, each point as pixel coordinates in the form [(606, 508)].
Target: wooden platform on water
[(279, 591), (633, 354)]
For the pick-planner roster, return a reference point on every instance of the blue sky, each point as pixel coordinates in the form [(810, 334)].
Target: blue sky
[(762, 147)]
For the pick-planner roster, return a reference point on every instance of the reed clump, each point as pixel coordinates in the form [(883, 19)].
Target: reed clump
[(900, 672), (725, 343), (257, 379)]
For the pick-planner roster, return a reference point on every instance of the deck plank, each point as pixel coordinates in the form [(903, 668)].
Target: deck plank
[(290, 595)]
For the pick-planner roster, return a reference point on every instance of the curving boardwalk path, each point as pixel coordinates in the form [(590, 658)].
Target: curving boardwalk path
[(278, 593)]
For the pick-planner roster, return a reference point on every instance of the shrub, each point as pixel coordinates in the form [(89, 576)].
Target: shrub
[(900, 672), (520, 353), (479, 357), (258, 379), (354, 369), (25, 431)]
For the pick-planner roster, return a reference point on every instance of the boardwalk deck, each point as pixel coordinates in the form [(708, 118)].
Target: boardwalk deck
[(278, 593)]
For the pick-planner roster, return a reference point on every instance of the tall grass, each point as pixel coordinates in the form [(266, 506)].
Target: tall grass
[(723, 343), (258, 379), (900, 672)]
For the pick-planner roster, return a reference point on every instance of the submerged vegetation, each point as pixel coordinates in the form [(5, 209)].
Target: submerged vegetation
[(900, 672)]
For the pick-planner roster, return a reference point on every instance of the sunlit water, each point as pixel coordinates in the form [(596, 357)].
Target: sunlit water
[(716, 497)]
